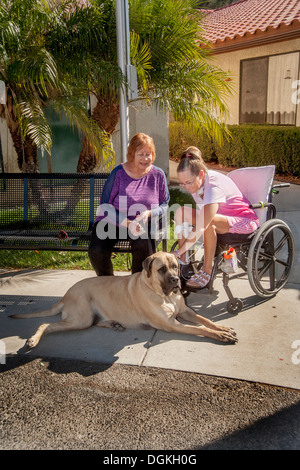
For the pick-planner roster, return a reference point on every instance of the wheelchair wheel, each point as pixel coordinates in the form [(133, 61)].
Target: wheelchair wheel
[(235, 306), (270, 258)]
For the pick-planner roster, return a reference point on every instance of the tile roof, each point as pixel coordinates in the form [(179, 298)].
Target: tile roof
[(249, 17)]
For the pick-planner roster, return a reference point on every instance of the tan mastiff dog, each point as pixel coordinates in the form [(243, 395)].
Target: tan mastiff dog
[(150, 299)]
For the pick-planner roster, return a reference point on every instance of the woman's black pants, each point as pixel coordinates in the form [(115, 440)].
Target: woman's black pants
[(100, 251)]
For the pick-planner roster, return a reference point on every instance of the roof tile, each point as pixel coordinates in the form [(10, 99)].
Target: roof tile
[(249, 16)]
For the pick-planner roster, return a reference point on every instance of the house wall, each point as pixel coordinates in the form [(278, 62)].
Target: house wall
[(230, 62), (9, 154), (151, 121)]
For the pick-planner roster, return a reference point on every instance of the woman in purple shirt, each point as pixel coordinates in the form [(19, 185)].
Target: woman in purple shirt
[(134, 197)]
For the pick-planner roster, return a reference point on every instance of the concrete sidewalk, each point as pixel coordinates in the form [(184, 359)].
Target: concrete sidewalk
[(268, 331)]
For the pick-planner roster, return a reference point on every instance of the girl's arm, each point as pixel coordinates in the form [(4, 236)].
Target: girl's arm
[(203, 219)]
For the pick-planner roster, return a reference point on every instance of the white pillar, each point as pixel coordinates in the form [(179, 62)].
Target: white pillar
[(123, 61)]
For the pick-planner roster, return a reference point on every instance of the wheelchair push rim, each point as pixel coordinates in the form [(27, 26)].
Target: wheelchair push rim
[(270, 258)]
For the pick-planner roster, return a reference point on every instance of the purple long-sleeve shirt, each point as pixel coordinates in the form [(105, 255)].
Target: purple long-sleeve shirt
[(125, 197)]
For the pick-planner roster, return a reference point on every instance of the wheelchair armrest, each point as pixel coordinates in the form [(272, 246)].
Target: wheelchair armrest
[(271, 213), (261, 205)]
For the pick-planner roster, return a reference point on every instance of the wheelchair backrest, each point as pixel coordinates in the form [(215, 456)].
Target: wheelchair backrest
[(256, 184)]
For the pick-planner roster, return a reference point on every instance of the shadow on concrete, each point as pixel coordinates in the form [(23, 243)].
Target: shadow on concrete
[(56, 365), (279, 431)]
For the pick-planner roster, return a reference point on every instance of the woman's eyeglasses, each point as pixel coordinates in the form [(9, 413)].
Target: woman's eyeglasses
[(188, 183)]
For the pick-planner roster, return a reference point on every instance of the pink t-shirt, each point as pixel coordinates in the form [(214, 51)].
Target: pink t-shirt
[(219, 188)]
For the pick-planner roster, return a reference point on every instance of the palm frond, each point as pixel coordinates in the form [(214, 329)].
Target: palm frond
[(182, 79), (38, 71), (74, 28), (140, 55), (33, 123)]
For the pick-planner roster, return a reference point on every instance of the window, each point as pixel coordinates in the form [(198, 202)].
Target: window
[(266, 89)]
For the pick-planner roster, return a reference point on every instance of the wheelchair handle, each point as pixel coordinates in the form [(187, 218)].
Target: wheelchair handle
[(275, 188), (281, 185)]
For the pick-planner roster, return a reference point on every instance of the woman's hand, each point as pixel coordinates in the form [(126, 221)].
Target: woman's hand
[(136, 228), (143, 217), (137, 225)]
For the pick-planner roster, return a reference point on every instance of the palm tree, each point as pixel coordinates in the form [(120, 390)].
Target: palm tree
[(58, 52), (182, 79), (174, 68), (22, 59), (31, 59)]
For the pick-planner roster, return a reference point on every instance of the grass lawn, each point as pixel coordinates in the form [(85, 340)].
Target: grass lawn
[(34, 259)]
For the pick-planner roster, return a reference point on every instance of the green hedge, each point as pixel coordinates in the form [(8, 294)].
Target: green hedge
[(250, 145)]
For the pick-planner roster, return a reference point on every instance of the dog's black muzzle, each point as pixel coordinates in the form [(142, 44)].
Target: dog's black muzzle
[(175, 283)]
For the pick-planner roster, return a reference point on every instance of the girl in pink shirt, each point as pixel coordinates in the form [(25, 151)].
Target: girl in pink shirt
[(221, 208)]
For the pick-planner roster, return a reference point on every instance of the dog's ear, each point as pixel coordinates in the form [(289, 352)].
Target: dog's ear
[(178, 264), (147, 264), (178, 267)]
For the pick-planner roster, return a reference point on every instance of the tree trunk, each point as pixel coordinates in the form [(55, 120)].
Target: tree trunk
[(107, 117), (27, 153)]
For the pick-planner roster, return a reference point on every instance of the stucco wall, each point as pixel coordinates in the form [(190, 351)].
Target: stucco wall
[(8, 151), (230, 62), (151, 121)]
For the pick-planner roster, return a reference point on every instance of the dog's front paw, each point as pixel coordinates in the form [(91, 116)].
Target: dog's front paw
[(117, 326), (227, 329), (228, 336), (31, 342)]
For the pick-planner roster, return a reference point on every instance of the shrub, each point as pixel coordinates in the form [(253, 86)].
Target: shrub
[(250, 145), (181, 137)]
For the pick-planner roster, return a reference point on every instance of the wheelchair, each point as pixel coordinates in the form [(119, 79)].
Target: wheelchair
[(266, 256)]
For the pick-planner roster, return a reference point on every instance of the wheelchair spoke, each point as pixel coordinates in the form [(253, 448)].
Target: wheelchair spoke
[(266, 256), (283, 263), (264, 269), (280, 244), (270, 258)]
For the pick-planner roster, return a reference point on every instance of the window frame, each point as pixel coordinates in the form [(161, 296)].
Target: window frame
[(267, 57)]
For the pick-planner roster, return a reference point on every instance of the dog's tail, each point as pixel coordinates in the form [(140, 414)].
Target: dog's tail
[(51, 312)]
